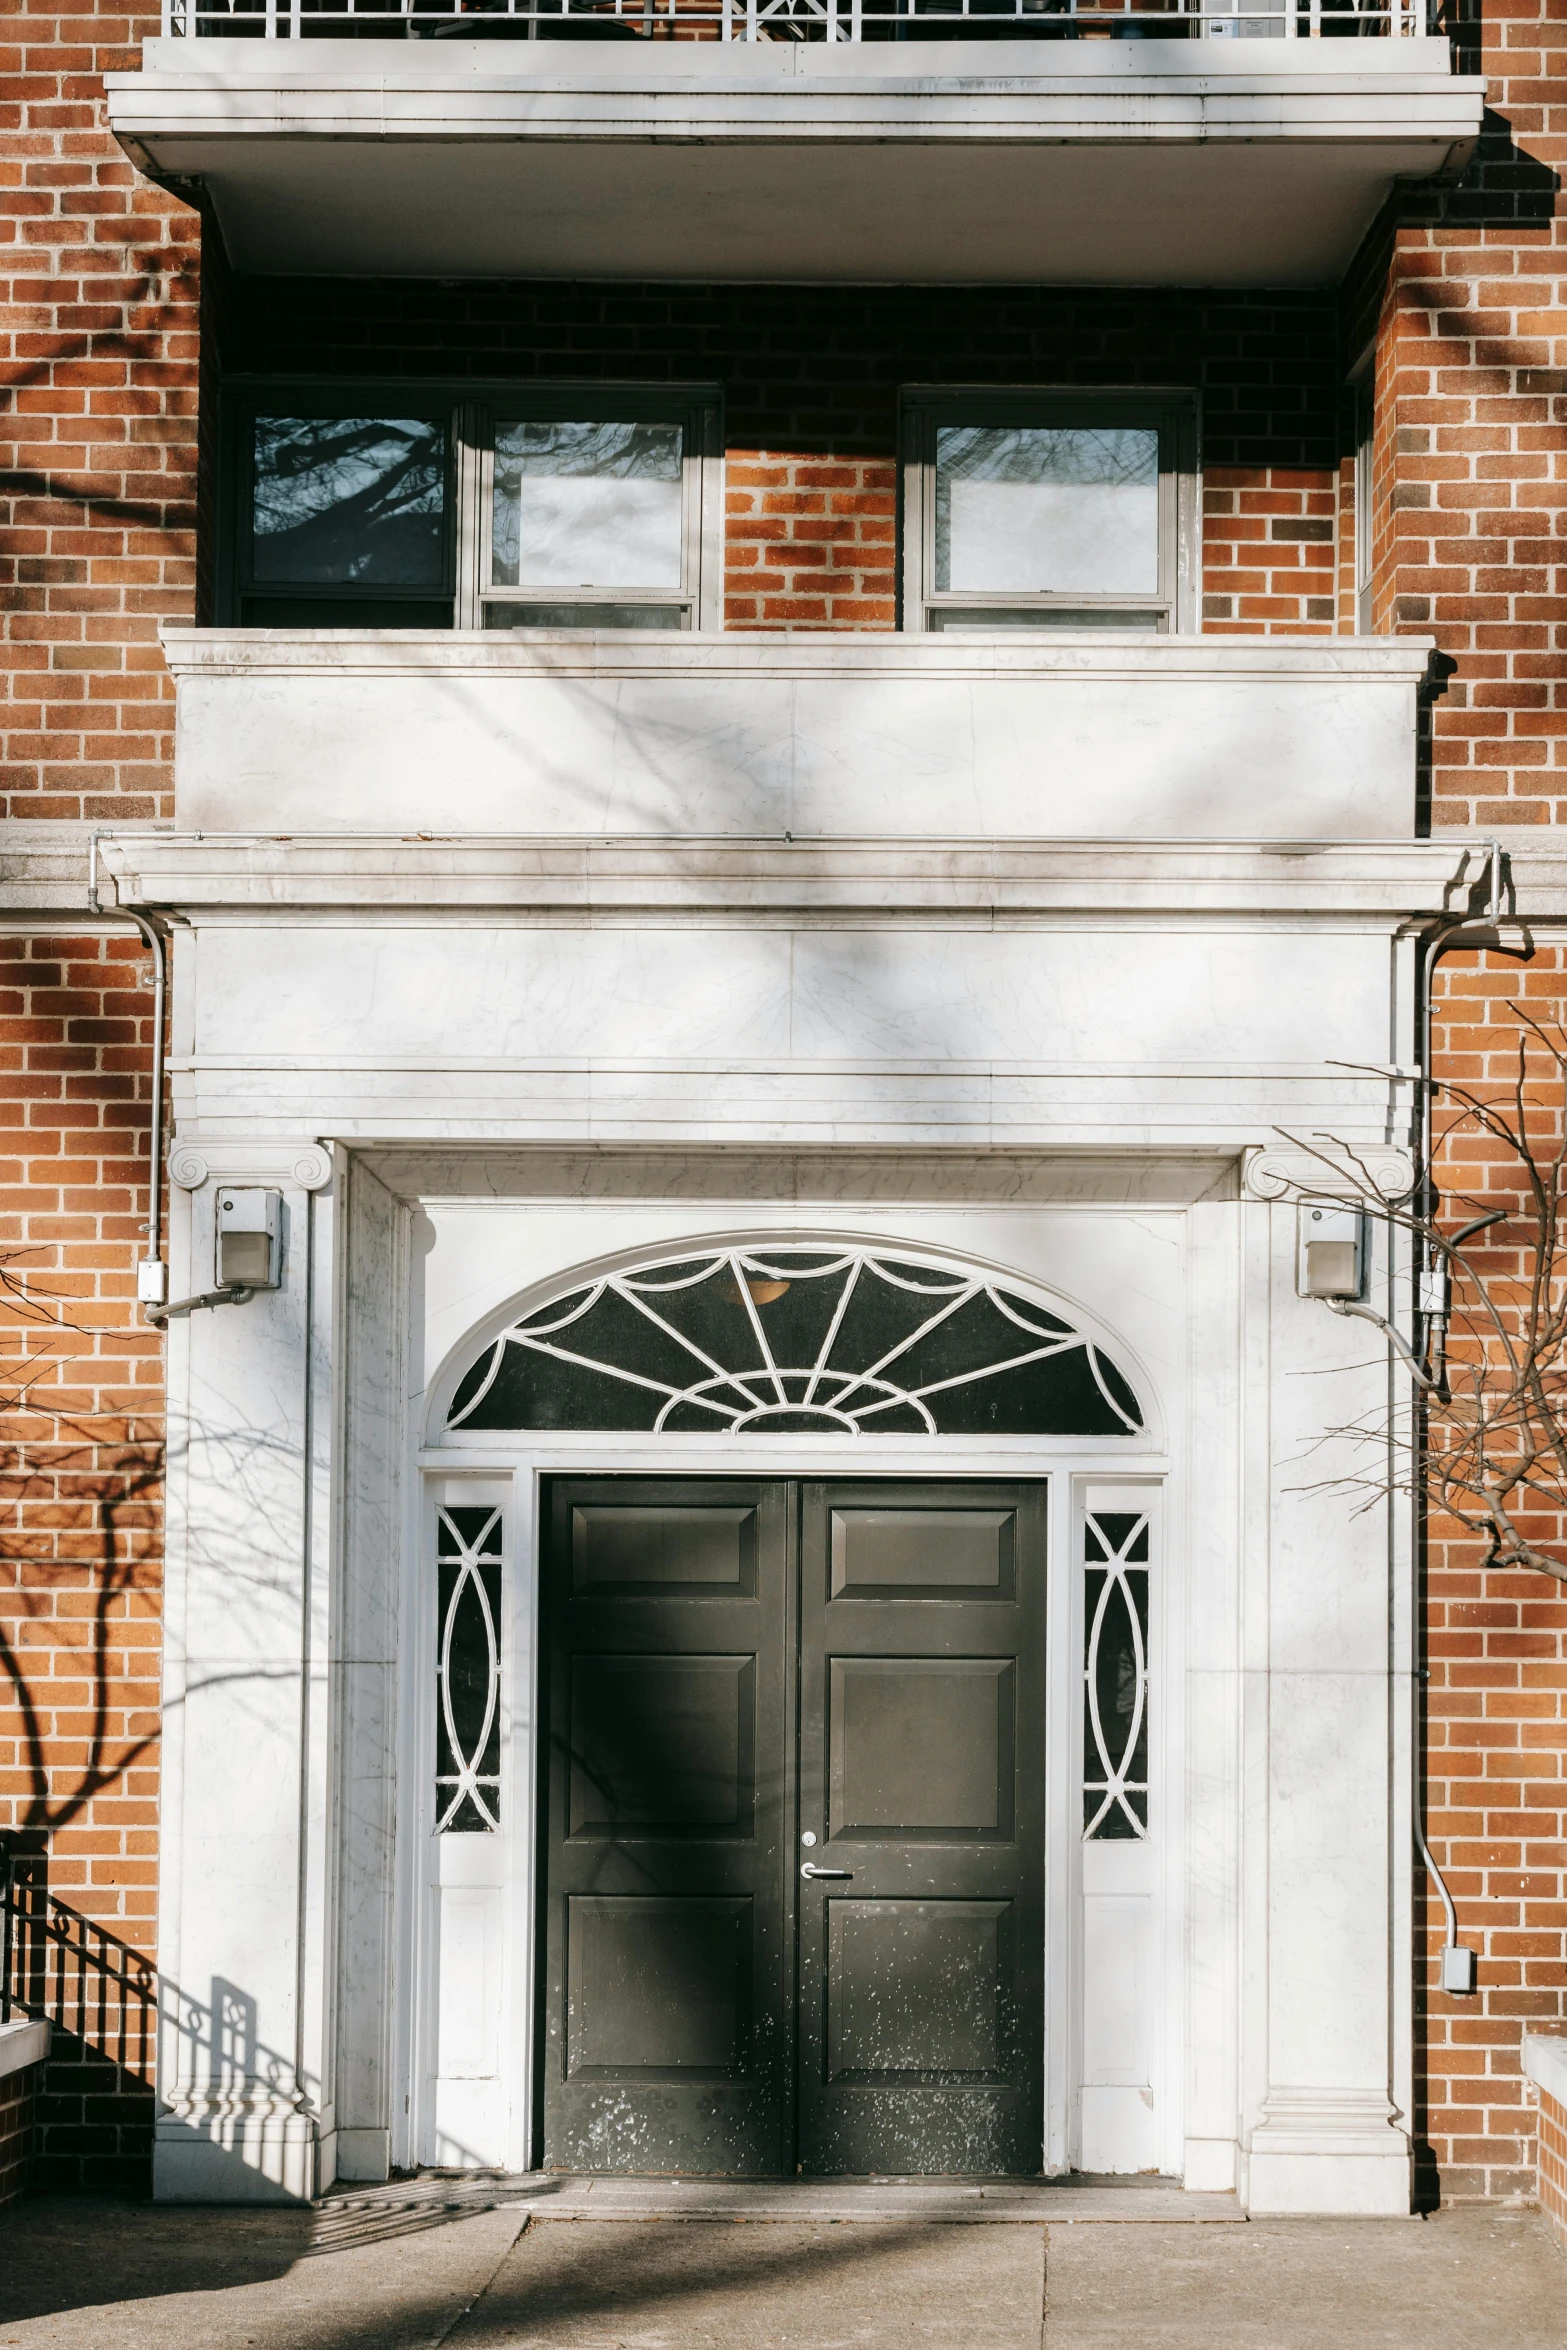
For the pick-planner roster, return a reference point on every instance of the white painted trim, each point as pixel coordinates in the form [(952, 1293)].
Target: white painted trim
[(1545, 2064), (24, 2041)]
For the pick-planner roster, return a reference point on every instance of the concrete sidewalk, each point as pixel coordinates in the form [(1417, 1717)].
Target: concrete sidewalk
[(423, 2269)]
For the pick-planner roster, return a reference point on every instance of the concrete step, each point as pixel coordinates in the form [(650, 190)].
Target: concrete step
[(1068, 2202)]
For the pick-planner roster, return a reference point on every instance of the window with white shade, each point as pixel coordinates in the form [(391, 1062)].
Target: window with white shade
[(1041, 510), (595, 507)]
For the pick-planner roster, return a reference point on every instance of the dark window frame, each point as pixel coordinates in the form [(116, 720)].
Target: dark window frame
[(242, 402), (470, 413), (1173, 412), (1363, 426)]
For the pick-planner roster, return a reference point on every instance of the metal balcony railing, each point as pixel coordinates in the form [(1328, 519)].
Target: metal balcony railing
[(920, 21)]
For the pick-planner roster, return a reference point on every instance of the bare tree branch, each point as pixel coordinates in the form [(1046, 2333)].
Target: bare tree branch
[(1487, 1435)]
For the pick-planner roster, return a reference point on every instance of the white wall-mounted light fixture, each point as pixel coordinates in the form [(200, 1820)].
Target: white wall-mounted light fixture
[(248, 1238), (1331, 1250), (247, 1252)]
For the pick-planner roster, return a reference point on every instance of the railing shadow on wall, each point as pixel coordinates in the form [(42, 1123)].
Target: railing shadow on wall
[(108, 2005), (94, 2114)]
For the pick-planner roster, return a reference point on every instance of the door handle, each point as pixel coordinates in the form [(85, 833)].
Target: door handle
[(808, 1868)]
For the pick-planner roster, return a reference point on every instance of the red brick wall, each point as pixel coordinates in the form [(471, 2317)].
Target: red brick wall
[(1496, 1702), (97, 448), (1552, 2174), (97, 439), (810, 542), (1462, 289), (16, 2129), (79, 1572), (1460, 294)]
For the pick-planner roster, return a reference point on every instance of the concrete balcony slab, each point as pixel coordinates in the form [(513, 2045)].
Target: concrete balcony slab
[(1207, 162)]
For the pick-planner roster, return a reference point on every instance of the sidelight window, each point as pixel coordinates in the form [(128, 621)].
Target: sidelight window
[(1047, 510), (1115, 1675), (579, 507), (468, 1672), (792, 1338)]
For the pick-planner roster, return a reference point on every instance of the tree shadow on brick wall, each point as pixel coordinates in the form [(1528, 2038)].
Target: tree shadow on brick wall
[(161, 297), (1502, 186), (94, 2112), (93, 2119)]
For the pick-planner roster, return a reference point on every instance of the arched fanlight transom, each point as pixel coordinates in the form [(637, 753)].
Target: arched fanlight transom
[(795, 1339)]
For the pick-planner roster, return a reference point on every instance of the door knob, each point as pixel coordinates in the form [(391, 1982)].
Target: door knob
[(808, 1868)]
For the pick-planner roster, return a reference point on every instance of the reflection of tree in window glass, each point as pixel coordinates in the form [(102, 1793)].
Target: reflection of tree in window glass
[(345, 500), (1047, 510), (588, 505)]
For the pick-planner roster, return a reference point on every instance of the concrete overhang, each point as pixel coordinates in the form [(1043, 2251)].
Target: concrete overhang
[(1213, 163)]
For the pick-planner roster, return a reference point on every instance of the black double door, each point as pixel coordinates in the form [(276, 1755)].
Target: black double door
[(794, 1827)]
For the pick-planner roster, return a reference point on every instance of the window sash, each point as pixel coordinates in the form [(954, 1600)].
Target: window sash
[(1363, 393), (1173, 415), (470, 415)]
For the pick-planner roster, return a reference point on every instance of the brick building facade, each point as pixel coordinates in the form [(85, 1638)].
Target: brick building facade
[(123, 321)]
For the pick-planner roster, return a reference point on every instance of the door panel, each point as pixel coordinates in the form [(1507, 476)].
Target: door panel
[(662, 1743), (668, 2001), (890, 1777), (658, 1986), (922, 1767), (917, 1990), (623, 1549), (921, 1554)]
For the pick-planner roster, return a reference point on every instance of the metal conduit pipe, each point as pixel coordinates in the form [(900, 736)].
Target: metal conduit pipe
[(1457, 1963), (152, 1275)]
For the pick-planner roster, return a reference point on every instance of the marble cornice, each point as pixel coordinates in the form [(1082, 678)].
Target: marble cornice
[(389, 877), (1107, 655)]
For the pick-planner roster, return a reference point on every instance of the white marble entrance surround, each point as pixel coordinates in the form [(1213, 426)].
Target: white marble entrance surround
[(472, 1065)]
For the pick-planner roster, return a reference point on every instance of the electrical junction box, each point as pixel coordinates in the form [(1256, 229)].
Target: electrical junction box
[(1458, 1969), (1331, 1259), (248, 1242)]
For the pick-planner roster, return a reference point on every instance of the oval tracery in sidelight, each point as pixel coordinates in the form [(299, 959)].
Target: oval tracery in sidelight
[(792, 1338)]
